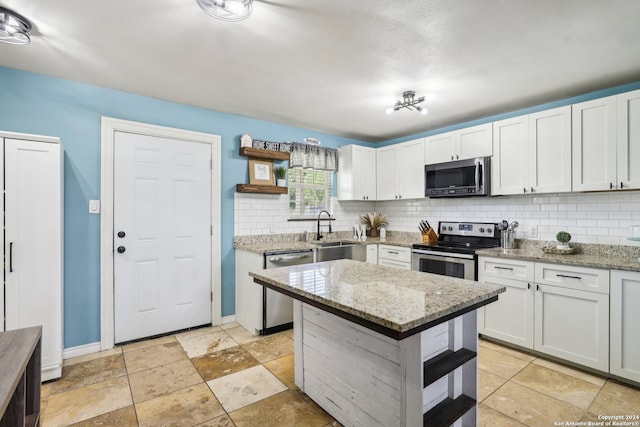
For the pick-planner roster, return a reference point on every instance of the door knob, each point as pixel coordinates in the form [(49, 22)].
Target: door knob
[(121, 249), (121, 234)]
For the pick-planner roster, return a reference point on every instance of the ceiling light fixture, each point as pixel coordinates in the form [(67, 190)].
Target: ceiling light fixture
[(227, 10), (14, 28), (410, 102)]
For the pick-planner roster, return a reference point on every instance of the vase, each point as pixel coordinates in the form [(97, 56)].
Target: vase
[(373, 232), (281, 182)]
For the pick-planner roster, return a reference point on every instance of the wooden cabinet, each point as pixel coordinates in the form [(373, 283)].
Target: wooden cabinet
[(559, 310), (33, 171), (461, 144), (624, 331), (394, 256), (400, 171), (532, 153), (372, 254), (357, 173)]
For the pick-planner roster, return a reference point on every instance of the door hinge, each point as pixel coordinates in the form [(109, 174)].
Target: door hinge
[(211, 296), (211, 164), (211, 230)]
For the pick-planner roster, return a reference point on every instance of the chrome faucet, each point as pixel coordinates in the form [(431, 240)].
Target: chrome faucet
[(319, 235)]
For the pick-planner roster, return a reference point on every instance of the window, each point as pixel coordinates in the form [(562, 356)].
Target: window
[(309, 192)]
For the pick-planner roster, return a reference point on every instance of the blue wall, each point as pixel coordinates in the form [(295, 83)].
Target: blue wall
[(31, 103)]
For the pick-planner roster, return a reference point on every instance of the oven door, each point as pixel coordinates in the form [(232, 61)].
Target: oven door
[(444, 263)]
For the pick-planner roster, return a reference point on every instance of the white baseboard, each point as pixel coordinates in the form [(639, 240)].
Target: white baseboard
[(81, 350), (228, 319)]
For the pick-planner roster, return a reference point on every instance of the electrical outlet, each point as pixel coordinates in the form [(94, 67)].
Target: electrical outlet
[(533, 231)]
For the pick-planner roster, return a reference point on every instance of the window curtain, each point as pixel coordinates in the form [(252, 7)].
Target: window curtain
[(312, 156)]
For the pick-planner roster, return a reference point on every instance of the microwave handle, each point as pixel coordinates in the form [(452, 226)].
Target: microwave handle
[(478, 163)]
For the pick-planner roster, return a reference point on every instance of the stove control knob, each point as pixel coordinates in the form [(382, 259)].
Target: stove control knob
[(444, 228), (490, 231), (449, 228), (481, 229)]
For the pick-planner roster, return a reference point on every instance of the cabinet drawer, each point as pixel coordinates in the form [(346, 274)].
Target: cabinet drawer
[(505, 268), (567, 276), (396, 253), (393, 263)]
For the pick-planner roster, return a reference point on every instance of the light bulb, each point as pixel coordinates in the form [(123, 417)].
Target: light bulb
[(389, 110), (424, 111)]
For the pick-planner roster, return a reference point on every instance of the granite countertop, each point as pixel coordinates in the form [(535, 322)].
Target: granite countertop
[(399, 302), (616, 259), (265, 244)]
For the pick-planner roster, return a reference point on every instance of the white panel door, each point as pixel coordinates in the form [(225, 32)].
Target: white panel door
[(162, 241), (33, 243), (510, 165), (628, 136), (594, 144)]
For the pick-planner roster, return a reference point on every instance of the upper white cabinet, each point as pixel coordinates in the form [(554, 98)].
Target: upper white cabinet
[(400, 171), (532, 153), (606, 143), (33, 216), (628, 140), (357, 173), (594, 145), (461, 144)]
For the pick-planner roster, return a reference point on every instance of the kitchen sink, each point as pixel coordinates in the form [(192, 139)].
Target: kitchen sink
[(329, 251)]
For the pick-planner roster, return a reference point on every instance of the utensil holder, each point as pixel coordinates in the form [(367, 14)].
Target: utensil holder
[(508, 239), (429, 237)]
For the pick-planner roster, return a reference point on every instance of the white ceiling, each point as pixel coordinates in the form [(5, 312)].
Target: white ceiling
[(334, 65)]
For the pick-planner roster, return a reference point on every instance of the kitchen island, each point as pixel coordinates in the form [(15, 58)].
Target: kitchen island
[(380, 346)]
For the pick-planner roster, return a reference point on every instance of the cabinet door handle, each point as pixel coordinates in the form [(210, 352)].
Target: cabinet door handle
[(528, 285), (504, 268), (10, 257), (621, 184), (611, 186), (569, 277), (532, 190), (393, 252), (524, 190), (537, 287)]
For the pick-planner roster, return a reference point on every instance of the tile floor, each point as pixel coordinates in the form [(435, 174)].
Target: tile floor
[(224, 376)]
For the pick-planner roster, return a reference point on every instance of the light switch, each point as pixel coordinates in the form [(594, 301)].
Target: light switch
[(94, 206)]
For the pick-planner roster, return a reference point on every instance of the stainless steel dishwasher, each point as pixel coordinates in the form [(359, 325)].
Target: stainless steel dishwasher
[(277, 309)]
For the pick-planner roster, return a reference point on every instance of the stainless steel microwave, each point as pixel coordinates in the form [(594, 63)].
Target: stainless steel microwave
[(459, 178)]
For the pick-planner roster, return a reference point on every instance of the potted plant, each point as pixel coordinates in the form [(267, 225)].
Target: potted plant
[(281, 173), (373, 221), (563, 239)]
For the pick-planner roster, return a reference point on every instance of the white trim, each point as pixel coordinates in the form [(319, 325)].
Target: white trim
[(81, 350), (228, 319), (109, 127)]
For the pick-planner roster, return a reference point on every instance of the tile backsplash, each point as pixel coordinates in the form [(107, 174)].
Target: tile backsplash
[(602, 218)]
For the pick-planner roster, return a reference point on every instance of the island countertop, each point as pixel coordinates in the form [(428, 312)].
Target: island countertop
[(397, 303)]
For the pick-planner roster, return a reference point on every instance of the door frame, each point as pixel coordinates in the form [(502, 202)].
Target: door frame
[(108, 128)]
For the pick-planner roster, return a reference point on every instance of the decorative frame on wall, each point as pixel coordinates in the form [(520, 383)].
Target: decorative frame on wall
[(261, 172)]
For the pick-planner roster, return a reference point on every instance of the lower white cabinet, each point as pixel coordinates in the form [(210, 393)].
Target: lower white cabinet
[(372, 254), (394, 256), (572, 325), (563, 311), (511, 317), (624, 326)]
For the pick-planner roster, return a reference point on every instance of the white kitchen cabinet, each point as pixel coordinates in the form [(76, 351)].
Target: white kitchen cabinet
[(594, 144), (394, 256), (559, 310), (532, 153), (509, 171), (400, 171), (628, 140), (248, 293), (357, 173), (625, 318), (372, 254), (572, 325), (510, 318), (467, 143), (33, 268)]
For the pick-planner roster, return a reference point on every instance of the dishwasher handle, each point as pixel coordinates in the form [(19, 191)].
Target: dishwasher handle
[(276, 259)]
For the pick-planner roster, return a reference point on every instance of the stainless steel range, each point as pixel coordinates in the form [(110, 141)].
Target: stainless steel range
[(455, 252)]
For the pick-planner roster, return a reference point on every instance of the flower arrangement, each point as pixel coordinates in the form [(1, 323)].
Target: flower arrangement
[(373, 221)]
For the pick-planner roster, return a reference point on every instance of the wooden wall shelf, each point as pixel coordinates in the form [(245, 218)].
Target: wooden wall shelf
[(259, 153), (266, 189)]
